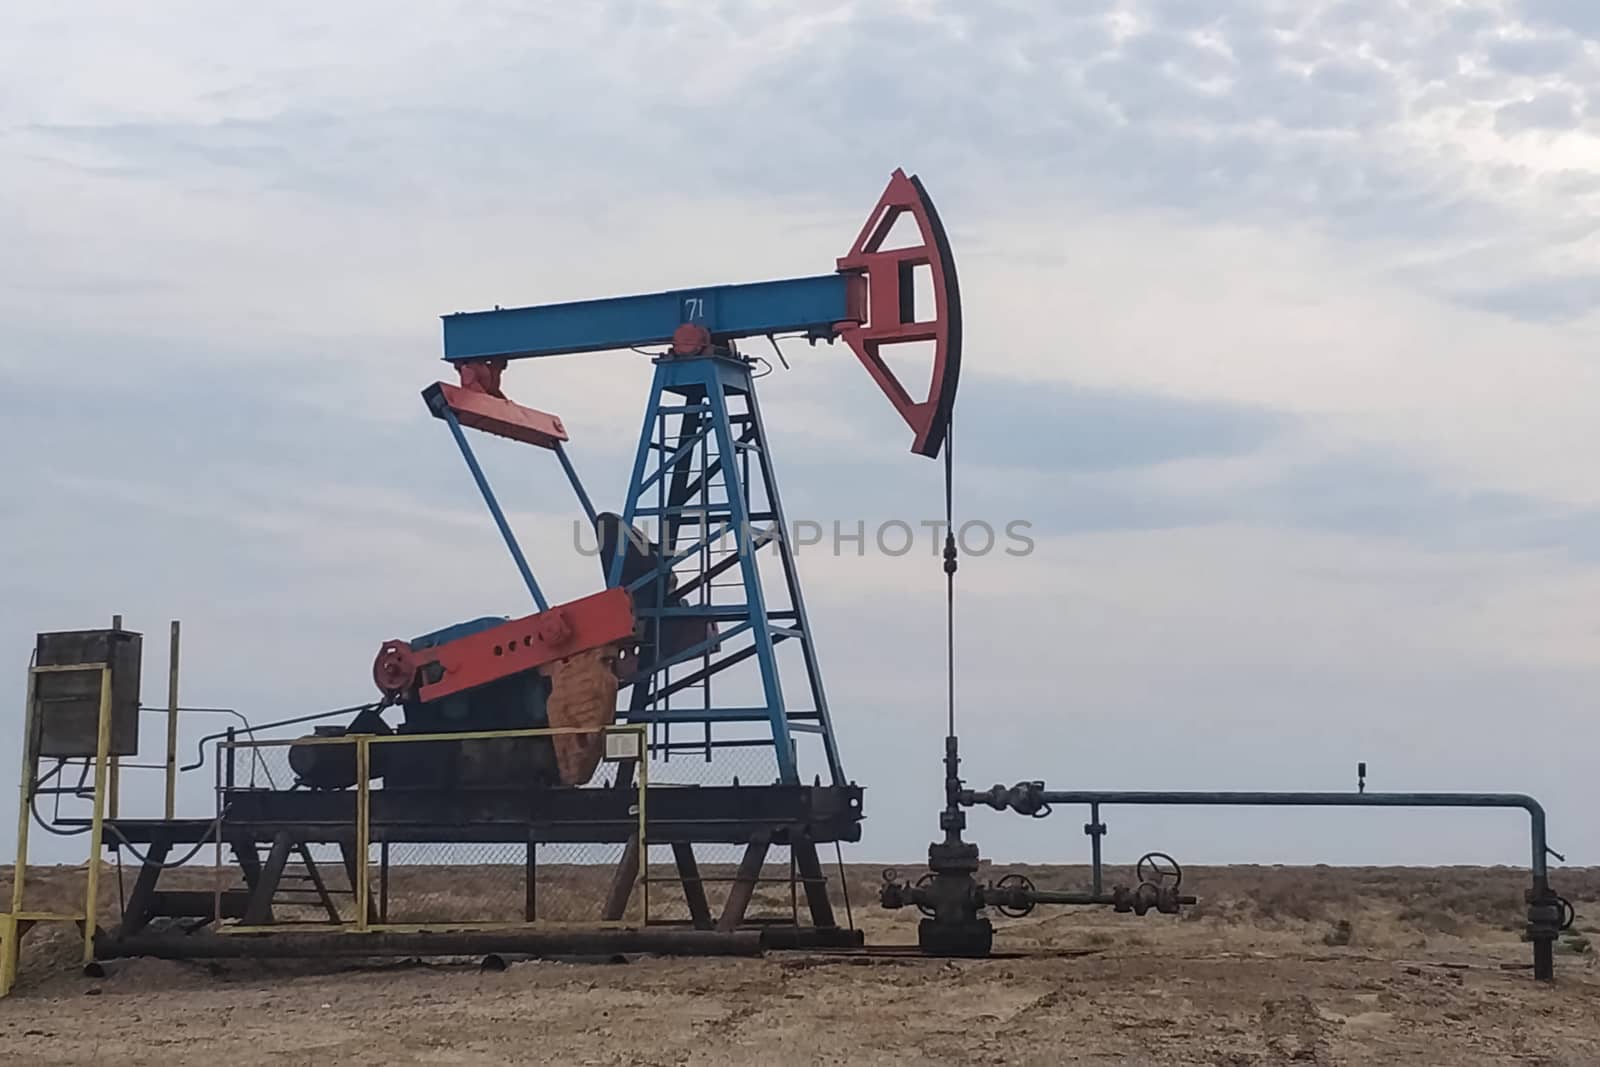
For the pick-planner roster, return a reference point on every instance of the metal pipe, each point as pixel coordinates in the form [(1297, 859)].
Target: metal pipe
[(116, 760), (362, 881), (172, 723), (232, 733), (577, 485), (1535, 810), (530, 884), (1056, 896), (494, 508), (1096, 830)]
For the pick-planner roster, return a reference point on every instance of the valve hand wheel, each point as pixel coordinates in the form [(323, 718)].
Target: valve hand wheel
[(1159, 869), (1012, 882), (922, 883)]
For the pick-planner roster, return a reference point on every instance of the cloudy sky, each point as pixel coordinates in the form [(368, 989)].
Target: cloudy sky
[(1280, 332)]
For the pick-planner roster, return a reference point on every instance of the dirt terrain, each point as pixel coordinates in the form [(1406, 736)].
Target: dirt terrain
[(1277, 965)]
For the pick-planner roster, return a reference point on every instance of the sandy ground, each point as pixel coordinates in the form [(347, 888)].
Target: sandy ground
[(1277, 965)]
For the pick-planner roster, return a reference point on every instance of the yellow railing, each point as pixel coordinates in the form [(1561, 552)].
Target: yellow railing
[(626, 744)]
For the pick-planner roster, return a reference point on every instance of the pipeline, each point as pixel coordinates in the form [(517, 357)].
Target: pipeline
[(1548, 913), (952, 900), (1031, 798)]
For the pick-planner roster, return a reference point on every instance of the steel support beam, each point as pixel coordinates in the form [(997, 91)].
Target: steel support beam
[(694, 890), (294, 945), (815, 882), (744, 884)]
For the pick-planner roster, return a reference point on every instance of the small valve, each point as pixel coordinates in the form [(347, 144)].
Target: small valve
[(1014, 896)]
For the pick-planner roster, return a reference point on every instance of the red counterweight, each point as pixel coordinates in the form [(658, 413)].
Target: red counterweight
[(511, 648)]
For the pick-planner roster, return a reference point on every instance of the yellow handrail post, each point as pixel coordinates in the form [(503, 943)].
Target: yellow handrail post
[(9, 952), (172, 725), (26, 786), (19, 870), (97, 822)]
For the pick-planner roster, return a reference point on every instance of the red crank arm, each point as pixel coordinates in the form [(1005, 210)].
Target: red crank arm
[(891, 314)]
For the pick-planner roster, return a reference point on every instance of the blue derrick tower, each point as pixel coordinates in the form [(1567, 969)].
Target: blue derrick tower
[(703, 479)]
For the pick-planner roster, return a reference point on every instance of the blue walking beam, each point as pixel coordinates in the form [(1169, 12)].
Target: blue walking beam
[(815, 306)]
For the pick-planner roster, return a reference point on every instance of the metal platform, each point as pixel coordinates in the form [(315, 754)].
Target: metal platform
[(267, 831), (731, 814)]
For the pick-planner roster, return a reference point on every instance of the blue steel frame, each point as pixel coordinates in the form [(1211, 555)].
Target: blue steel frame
[(437, 405), (702, 386), (500, 522), (814, 305)]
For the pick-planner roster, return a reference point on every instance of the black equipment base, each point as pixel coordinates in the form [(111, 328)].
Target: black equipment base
[(265, 829)]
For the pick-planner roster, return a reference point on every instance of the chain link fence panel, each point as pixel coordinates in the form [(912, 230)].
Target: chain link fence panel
[(435, 884)]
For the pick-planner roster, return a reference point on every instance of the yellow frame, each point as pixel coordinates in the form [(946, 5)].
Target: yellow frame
[(16, 921), (363, 744)]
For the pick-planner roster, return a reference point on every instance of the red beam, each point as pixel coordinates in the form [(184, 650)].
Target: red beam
[(502, 417)]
